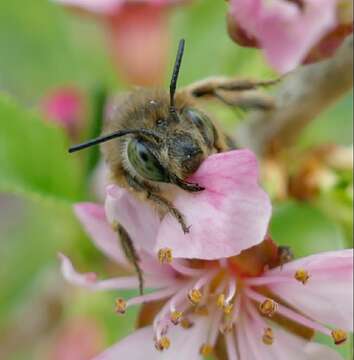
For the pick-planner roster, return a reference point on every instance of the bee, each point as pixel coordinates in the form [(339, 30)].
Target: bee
[(155, 140)]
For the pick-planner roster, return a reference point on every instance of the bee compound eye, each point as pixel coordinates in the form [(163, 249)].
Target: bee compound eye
[(203, 123), (144, 161)]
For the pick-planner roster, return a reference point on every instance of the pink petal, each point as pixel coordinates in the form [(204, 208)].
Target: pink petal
[(285, 346), (92, 216), (327, 297), (185, 344), (230, 215), (138, 218), (89, 280), (285, 32)]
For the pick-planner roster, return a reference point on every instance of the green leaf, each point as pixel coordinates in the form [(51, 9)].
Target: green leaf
[(46, 46), (305, 229), (34, 157), (31, 236)]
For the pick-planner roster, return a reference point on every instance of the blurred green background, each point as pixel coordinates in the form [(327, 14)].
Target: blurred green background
[(43, 46)]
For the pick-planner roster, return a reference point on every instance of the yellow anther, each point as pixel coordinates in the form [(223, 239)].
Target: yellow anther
[(195, 296), (186, 324), (175, 317), (220, 301), (228, 308), (165, 256), (206, 350), (302, 275), (268, 336), (339, 336), (268, 307), (201, 310), (121, 306), (163, 344)]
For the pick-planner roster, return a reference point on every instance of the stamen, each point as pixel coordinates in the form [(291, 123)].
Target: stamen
[(228, 308), (195, 296), (231, 347), (163, 343), (175, 317), (186, 270), (339, 336), (232, 290), (214, 330), (121, 306), (186, 324), (220, 301), (165, 256), (206, 350), (302, 275), (268, 336), (154, 296), (224, 304), (236, 310), (268, 307), (290, 314), (205, 279), (266, 280)]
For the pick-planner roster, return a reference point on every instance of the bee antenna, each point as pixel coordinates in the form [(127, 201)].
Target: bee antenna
[(174, 78), (119, 133)]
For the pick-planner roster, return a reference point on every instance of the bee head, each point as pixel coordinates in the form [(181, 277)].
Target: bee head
[(175, 138)]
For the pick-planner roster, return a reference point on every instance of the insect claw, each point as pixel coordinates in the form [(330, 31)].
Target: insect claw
[(185, 185)]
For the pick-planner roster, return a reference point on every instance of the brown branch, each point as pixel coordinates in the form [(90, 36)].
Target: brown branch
[(300, 97)]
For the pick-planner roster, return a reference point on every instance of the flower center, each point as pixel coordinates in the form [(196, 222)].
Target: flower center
[(226, 293)]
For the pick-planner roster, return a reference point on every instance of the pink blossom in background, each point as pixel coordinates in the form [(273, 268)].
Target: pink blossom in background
[(78, 339), (137, 33), (236, 298), (65, 107), (288, 31)]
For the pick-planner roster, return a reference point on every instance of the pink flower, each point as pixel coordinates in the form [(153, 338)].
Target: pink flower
[(285, 30), (65, 107), (230, 215), (259, 307), (134, 28), (78, 339)]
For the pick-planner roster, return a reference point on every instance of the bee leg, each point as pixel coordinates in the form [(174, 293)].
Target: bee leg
[(245, 84), (160, 201), (166, 205), (234, 92), (207, 87), (130, 253), (246, 99)]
